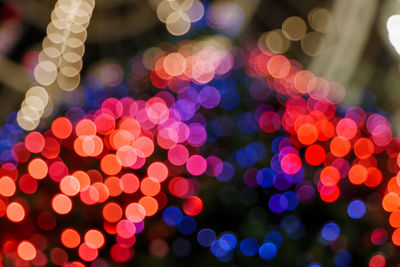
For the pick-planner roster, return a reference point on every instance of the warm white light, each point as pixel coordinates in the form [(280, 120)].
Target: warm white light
[(60, 60), (393, 27)]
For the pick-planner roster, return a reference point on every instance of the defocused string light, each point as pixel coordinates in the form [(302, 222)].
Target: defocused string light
[(295, 29), (178, 15), (320, 19), (274, 41), (60, 59)]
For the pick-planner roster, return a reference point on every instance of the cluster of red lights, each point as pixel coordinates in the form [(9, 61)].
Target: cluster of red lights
[(348, 147), (124, 138)]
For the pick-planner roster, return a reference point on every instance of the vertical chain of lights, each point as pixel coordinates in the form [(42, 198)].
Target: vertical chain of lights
[(59, 62)]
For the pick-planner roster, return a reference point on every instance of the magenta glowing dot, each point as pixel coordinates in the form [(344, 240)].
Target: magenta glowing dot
[(198, 134), (157, 111), (90, 195), (140, 161), (196, 165), (113, 107), (209, 97), (178, 155), (167, 138), (58, 170), (287, 151), (144, 120), (126, 229), (104, 123), (182, 130), (291, 164), (129, 107), (214, 166), (269, 122)]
